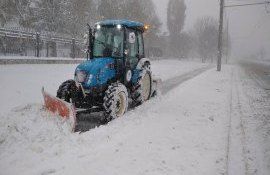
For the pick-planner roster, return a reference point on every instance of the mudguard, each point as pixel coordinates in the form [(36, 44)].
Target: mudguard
[(141, 63)]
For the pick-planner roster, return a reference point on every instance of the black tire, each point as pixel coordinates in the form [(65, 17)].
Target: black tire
[(138, 95), (115, 101), (69, 92)]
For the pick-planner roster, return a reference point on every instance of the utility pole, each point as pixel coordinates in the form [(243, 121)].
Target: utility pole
[(220, 35), (227, 41)]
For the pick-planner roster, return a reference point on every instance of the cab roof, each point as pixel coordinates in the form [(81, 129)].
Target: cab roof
[(123, 22)]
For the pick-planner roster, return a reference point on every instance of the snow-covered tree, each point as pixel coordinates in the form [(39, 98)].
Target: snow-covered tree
[(71, 16), (138, 10), (206, 37), (77, 13), (176, 14), (175, 21), (18, 12), (49, 15), (110, 9)]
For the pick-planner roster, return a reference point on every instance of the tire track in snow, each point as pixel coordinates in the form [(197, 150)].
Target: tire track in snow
[(172, 83), (243, 132), (230, 125), (237, 151), (254, 95)]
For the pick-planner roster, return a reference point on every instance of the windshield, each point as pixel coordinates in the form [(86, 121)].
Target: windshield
[(108, 42)]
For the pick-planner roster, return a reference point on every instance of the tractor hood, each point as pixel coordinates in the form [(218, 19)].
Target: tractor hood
[(97, 72), (92, 66)]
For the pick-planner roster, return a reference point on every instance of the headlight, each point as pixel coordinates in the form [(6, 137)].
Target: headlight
[(90, 79), (81, 76)]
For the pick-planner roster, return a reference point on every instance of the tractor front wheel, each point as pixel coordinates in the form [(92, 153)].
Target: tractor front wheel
[(115, 101), (69, 92)]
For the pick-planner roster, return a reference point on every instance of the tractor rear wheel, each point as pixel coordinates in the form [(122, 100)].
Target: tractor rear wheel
[(115, 101), (142, 89)]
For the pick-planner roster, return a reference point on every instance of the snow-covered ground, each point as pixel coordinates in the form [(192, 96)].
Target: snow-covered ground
[(212, 124)]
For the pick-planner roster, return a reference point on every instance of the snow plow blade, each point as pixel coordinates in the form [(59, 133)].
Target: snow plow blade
[(60, 107)]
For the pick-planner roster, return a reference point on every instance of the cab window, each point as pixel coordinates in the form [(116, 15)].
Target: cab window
[(108, 42)]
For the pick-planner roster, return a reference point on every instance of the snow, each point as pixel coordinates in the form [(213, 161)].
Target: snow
[(166, 69), (195, 128)]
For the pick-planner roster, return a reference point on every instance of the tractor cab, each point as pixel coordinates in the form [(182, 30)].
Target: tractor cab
[(118, 39), (115, 48)]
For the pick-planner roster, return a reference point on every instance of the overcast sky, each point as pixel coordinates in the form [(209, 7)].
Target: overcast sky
[(249, 26)]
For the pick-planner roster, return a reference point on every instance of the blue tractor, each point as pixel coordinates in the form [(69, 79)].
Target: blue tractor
[(116, 73)]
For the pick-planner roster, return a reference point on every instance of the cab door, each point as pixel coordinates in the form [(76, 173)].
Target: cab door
[(132, 49)]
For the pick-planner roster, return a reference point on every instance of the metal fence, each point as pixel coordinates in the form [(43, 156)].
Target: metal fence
[(28, 43)]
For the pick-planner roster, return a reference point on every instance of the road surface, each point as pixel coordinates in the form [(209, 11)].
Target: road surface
[(249, 120), (258, 71)]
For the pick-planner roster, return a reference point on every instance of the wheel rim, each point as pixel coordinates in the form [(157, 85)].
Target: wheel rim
[(146, 86), (120, 104)]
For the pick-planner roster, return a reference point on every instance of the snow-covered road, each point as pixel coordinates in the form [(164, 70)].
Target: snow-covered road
[(209, 124)]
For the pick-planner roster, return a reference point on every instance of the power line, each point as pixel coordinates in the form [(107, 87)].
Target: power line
[(248, 4)]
